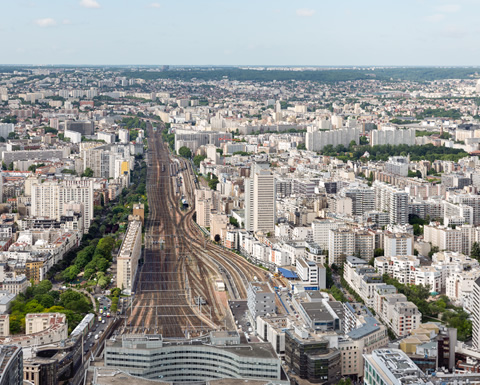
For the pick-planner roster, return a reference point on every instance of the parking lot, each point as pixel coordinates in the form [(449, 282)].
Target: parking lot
[(242, 320)]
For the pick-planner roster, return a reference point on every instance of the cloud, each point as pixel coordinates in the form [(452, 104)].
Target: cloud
[(449, 8), (436, 18), (454, 31), (89, 4), (47, 22), (305, 12), (154, 5), (66, 22)]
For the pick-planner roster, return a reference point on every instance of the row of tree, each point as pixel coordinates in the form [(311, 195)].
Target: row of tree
[(383, 152)]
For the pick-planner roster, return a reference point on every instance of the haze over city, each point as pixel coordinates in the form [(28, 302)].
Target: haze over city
[(267, 32)]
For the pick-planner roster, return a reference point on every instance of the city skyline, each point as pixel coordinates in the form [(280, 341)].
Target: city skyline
[(103, 32)]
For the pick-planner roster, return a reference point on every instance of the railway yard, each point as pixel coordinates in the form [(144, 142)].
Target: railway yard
[(175, 292)]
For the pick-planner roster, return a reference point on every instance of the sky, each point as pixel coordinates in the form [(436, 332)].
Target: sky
[(242, 32)]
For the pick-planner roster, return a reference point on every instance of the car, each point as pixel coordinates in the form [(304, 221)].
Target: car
[(248, 324)]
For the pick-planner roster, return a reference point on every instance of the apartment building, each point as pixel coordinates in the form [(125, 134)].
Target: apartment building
[(393, 136), (395, 311), (363, 339), (459, 287), (445, 238), (401, 268), (260, 198), (321, 230), (397, 244), (362, 198), (316, 140), (362, 278), (397, 165), (364, 244), (40, 329), (341, 243), (127, 260), (393, 200), (52, 199)]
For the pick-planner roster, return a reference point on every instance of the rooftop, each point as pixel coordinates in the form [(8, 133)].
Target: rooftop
[(395, 366)]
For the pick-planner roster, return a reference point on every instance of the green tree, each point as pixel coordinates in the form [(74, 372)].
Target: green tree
[(70, 273), (185, 152), (88, 173), (475, 253), (42, 288), (197, 159), (234, 222), (432, 251)]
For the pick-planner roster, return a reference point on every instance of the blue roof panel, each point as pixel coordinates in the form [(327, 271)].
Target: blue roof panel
[(287, 273)]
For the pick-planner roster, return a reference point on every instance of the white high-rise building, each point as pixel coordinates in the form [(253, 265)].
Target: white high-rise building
[(5, 129), (321, 229), (393, 136), (51, 199), (316, 140), (123, 135), (392, 200), (341, 244), (398, 244), (363, 198), (260, 199), (397, 165)]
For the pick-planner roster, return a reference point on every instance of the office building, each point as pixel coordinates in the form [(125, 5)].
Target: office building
[(310, 357), (260, 299), (11, 365), (220, 355), (391, 366)]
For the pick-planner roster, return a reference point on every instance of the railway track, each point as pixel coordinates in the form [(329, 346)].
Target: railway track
[(180, 265)]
